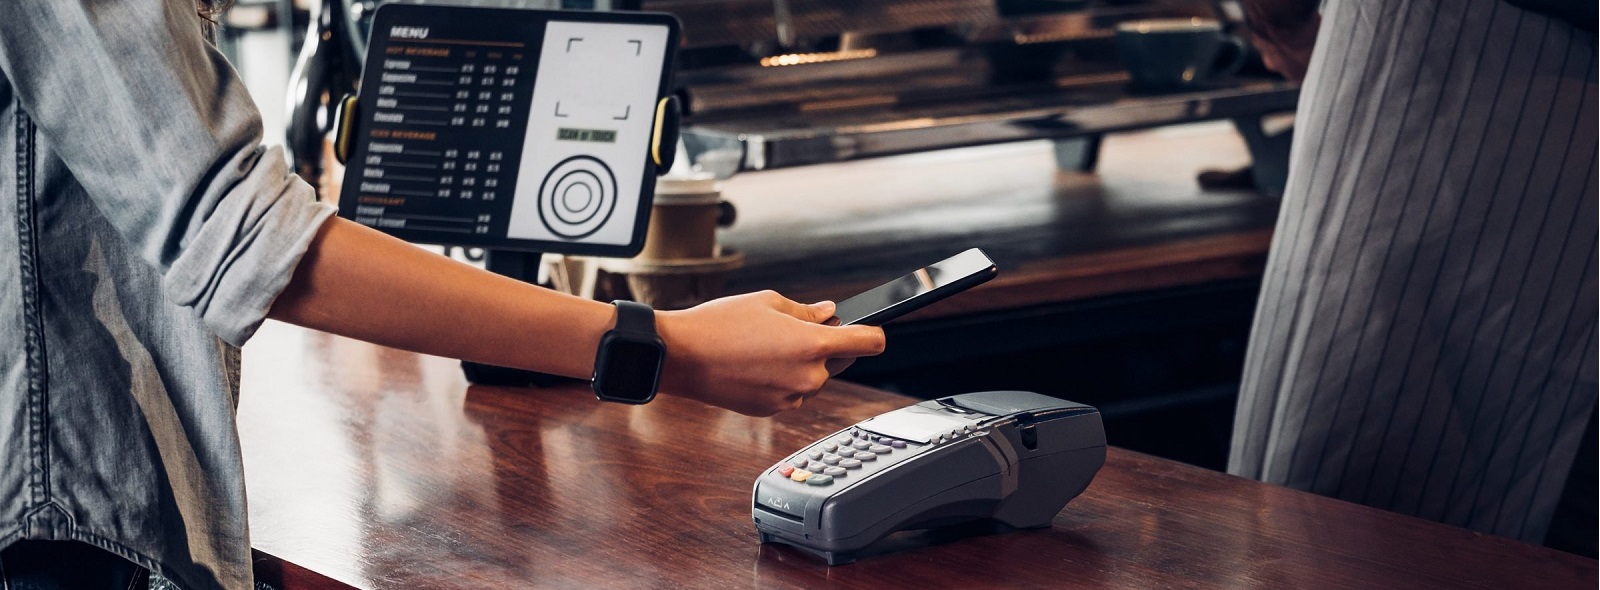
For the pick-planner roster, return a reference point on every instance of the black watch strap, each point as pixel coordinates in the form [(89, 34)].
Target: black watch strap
[(635, 318), (627, 367)]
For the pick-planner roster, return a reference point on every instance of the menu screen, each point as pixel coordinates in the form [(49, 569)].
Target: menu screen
[(507, 128)]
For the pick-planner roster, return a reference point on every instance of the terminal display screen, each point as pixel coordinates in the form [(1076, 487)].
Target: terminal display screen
[(508, 128)]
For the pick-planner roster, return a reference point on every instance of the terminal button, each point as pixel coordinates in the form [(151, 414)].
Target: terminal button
[(898, 444), (785, 470), (831, 459), (819, 480), (862, 445), (800, 463), (843, 440), (866, 457), (850, 463), (814, 454), (847, 452), (800, 475), (833, 471), (880, 449), (830, 447)]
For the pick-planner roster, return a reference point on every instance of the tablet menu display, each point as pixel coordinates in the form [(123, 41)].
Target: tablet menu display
[(507, 128)]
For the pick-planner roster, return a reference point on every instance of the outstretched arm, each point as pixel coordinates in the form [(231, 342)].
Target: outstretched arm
[(756, 354), (163, 137)]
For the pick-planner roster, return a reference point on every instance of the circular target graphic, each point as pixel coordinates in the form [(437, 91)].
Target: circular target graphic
[(577, 197)]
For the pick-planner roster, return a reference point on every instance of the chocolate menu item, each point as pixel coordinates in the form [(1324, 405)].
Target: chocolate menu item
[(509, 129)]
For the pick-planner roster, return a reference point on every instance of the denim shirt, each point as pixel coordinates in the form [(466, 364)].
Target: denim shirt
[(144, 233)]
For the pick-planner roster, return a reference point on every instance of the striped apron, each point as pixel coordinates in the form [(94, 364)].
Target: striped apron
[(1425, 337)]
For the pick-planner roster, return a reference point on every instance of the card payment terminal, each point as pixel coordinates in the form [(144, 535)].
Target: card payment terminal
[(1011, 457)]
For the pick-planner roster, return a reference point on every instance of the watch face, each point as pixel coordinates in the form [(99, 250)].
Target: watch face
[(631, 370)]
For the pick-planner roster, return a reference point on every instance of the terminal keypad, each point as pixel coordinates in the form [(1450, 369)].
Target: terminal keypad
[(840, 456)]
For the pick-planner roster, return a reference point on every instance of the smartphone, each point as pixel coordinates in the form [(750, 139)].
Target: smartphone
[(916, 290)]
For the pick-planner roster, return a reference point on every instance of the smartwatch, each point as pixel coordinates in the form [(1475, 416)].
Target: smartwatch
[(627, 367)]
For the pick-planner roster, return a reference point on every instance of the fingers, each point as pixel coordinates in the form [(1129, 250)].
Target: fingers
[(793, 401), (774, 364), (783, 304), (799, 399), (820, 312), (853, 341), (815, 313)]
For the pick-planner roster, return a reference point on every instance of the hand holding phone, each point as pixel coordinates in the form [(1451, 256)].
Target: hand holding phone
[(916, 290)]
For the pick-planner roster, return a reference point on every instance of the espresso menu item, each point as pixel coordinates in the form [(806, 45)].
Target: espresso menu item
[(508, 128)]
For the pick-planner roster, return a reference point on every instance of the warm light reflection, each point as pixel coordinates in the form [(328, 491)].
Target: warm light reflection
[(1168, 25), (796, 59)]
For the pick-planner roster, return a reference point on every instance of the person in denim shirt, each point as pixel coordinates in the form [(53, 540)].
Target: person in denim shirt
[(144, 236)]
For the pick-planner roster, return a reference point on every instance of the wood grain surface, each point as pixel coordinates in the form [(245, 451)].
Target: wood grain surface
[(375, 468)]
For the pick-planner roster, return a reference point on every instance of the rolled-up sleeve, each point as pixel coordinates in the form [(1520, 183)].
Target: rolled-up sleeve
[(158, 129)]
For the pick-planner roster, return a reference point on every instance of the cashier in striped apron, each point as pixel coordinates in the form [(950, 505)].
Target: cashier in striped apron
[(1425, 337)]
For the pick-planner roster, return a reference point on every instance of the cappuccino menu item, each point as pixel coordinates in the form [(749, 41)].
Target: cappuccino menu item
[(510, 129)]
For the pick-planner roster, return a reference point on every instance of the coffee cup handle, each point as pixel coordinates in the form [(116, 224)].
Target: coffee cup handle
[(1241, 52)]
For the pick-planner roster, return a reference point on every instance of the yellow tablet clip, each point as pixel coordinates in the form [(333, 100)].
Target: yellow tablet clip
[(664, 139), (345, 135)]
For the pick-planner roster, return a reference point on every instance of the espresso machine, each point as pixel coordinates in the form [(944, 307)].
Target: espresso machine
[(769, 84), (779, 83)]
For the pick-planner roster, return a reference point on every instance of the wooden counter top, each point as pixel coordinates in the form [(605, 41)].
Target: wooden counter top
[(374, 468)]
